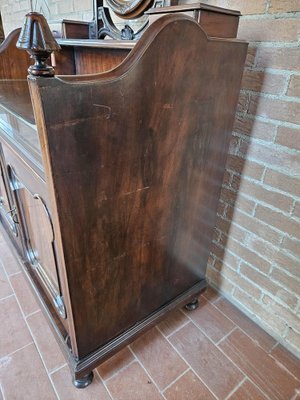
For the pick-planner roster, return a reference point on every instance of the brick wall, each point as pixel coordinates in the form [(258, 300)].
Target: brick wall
[(255, 258), (256, 249), (13, 11)]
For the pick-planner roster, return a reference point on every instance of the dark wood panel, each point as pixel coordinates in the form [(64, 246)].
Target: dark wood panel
[(13, 62), (75, 29), (216, 21), (137, 160), (63, 61), (219, 25), (93, 60)]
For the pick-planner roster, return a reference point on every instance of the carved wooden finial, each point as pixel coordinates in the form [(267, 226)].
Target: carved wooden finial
[(37, 39)]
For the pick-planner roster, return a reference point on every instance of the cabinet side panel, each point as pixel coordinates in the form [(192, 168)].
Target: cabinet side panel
[(137, 163)]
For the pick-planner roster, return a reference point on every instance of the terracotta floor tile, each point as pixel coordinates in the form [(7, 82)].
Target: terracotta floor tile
[(212, 366), (24, 294), (132, 383), (10, 263), (45, 341), (254, 331), (188, 387), (16, 334), (23, 377), (211, 321), (211, 294), (287, 359), (62, 380), (248, 391), (174, 321), (261, 368), (115, 363), (158, 357), (5, 289)]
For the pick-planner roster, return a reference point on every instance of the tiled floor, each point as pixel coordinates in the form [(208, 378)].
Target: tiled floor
[(214, 352)]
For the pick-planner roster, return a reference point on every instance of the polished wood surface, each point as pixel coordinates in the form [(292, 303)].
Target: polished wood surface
[(115, 199), (13, 62), (70, 29), (75, 29), (195, 6), (148, 166), (216, 21), (90, 60)]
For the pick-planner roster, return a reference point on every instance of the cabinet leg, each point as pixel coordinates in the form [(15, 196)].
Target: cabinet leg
[(83, 382), (192, 305)]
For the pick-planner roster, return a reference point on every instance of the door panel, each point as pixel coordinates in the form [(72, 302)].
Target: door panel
[(38, 239), (35, 225)]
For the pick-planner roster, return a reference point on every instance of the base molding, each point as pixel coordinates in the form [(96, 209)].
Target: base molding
[(83, 366)]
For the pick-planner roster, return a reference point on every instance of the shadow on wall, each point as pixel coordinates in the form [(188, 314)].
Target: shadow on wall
[(230, 199)]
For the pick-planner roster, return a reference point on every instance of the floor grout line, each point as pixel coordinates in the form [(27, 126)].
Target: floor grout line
[(32, 313), (211, 301), (237, 325), (104, 384), (136, 359), (7, 297), (54, 388), (273, 347), (14, 273), (54, 370), (236, 388), (2, 392), (175, 330), (226, 336), (176, 379), (219, 348), (16, 351), (282, 366), (255, 342), (192, 369), (33, 338), (147, 372), (257, 387), (119, 370)]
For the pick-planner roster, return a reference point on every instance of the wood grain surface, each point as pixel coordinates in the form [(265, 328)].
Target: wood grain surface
[(136, 157)]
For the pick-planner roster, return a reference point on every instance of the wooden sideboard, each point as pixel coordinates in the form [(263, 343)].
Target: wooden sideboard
[(110, 180)]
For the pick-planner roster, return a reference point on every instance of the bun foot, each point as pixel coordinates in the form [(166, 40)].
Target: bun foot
[(84, 381), (192, 305)]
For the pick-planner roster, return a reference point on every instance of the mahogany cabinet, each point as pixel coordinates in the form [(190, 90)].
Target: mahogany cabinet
[(111, 175)]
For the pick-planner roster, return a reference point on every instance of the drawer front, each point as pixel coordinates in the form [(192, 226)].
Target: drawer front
[(30, 193)]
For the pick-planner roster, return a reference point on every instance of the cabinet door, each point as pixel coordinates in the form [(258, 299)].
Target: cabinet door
[(38, 237)]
